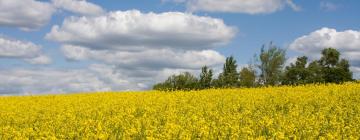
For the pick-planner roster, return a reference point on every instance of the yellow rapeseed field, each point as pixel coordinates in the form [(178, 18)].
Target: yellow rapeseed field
[(302, 112)]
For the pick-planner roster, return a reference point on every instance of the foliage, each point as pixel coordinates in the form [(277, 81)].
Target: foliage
[(247, 77), (205, 77), (183, 81), (229, 77), (271, 64), (316, 74), (303, 112), (297, 73), (330, 57), (334, 69), (329, 69)]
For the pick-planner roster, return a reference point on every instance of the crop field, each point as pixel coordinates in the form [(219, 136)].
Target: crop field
[(302, 112)]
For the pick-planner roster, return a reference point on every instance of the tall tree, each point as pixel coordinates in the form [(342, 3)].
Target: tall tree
[(297, 73), (271, 64), (329, 69), (205, 77), (315, 73), (330, 57), (247, 77), (344, 67), (334, 69), (229, 77)]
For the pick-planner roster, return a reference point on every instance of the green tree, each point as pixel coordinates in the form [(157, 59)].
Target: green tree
[(297, 73), (329, 69), (163, 86), (330, 57), (216, 82), (205, 77), (271, 64), (247, 77), (229, 77), (315, 73), (183, 81), (345, 73), (334, 69)]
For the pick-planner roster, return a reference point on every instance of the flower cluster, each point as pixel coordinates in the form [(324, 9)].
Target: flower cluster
[(302, 112)]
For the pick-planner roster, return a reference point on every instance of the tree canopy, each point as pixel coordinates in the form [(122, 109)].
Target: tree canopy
[(229, 77), (271, 64), (205, 77), (330, 68)]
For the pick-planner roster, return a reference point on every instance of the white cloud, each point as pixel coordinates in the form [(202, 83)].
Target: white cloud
[(347, 42), (11, 48), (39, 60), (16, 48), (291, 60), (143, 48), (81, 7), (25, 14), (133, 39), (136, 78), (356, 72), (238, 6), (97, 77), (20, 81), (133, 30), (30, 15), (150, 58)]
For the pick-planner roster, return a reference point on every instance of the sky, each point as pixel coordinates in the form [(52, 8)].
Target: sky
[(68, 46)]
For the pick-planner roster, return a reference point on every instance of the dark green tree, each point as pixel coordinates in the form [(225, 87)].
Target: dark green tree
[(297, 73), (315, 73), (183, 81), (205, 77), (330, 57), (216, 82), (247, 77), (163, 86), (334, 69), (229, 77), (345, 73), (329, 69), (271, 64)]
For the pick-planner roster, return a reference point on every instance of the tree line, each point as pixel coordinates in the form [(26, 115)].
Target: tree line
[(269, 70)]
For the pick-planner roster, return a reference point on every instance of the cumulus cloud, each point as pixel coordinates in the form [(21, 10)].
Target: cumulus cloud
[(156, 59), (356, 72), (19, 81), (25, 14), (291, 60), (238, 6), (133, 30), (133, 39), (143, 48), (39, 60), (95, 78), (347, 42), (30, 15), (81, 7), (11, 48), (135, 78)]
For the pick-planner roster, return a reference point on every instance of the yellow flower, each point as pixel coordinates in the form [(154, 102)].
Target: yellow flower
[(303, 112)]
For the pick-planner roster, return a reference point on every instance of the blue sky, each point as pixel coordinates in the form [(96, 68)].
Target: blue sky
[(136, 55)]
